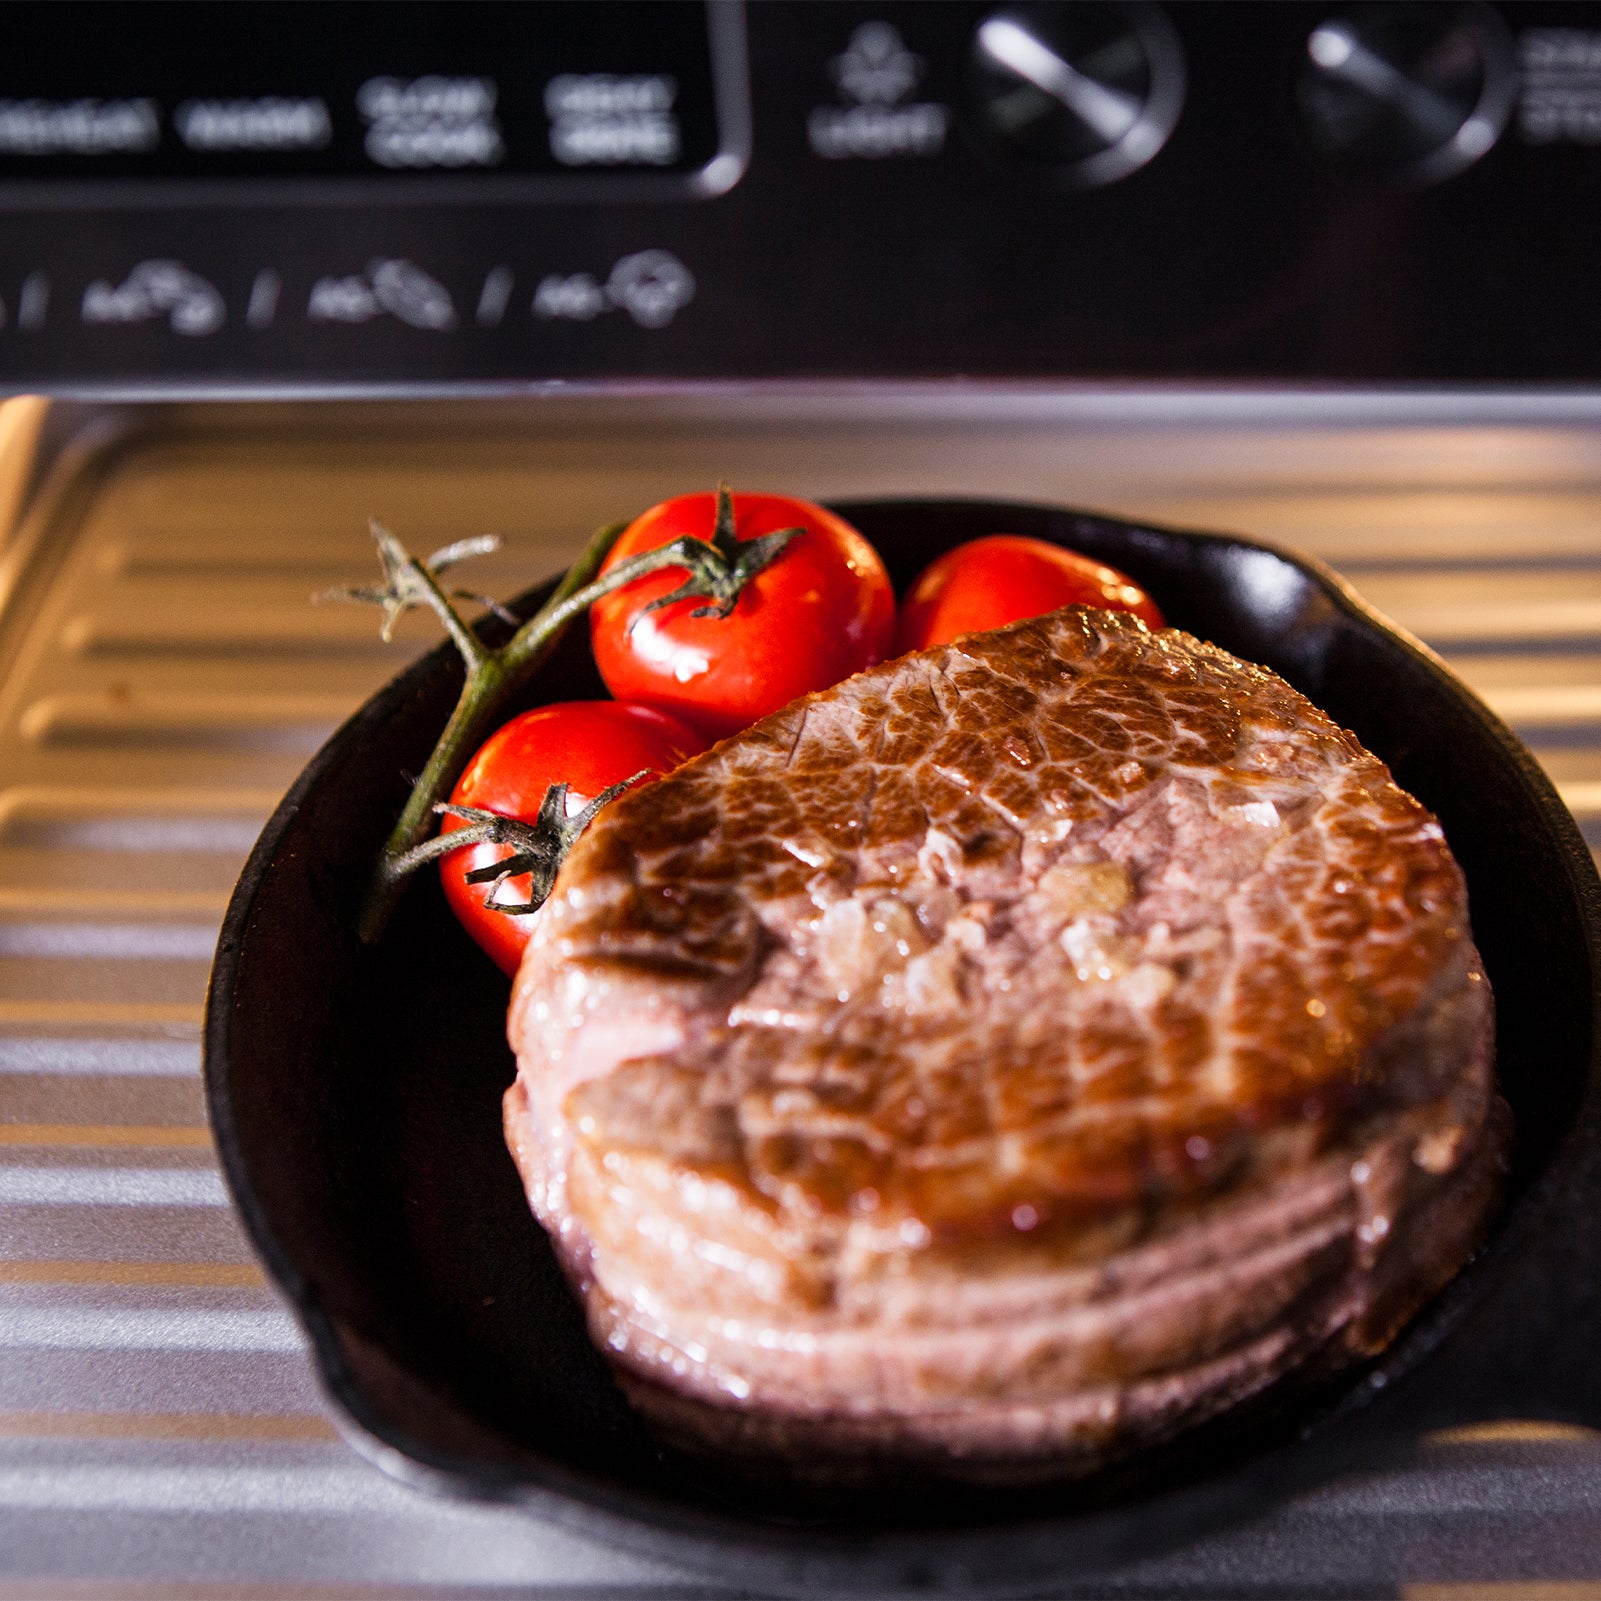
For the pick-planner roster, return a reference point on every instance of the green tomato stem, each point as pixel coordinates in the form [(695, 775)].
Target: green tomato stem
[(491, 680)]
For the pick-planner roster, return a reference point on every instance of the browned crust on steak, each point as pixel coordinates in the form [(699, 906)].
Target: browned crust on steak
[(1007, 1057)]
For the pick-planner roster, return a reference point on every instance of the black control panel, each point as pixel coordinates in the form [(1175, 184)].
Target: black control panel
[(314, 196)]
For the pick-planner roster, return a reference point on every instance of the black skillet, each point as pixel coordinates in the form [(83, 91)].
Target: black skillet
[(355, 1096)]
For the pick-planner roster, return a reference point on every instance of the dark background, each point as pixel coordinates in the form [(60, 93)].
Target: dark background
[(1237, 253)]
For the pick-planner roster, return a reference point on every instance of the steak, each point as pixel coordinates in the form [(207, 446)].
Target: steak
[(995, 1063)]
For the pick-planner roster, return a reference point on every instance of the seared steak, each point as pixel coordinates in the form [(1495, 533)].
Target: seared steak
[(1017, 1052)]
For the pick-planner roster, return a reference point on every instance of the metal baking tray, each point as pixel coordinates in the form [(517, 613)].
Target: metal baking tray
[(162, 683)]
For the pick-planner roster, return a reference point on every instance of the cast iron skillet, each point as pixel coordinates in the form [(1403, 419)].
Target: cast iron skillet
[(355, 1096)]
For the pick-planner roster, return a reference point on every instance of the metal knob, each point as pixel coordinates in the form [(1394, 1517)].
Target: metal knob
[(1409, 91), (1076, 94)]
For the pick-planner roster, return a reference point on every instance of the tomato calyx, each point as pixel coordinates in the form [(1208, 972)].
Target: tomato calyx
[(538, 848), (719, 568)]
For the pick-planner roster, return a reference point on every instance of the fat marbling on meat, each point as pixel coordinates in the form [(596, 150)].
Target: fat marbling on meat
[(1014, 1054)]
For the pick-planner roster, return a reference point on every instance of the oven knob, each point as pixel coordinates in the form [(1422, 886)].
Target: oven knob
[(1079, 94), (1416, 92)]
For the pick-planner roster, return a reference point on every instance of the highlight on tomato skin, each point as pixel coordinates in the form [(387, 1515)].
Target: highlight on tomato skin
[(587, 744), (1006, 578), (824, 609)]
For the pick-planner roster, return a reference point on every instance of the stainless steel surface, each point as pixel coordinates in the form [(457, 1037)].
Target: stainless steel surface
[(162, 679)]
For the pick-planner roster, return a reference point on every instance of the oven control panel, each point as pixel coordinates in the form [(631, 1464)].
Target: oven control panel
[(346, 103), (286, 196)]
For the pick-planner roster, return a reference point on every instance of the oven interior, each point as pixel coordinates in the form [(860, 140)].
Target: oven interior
[(164, 675)]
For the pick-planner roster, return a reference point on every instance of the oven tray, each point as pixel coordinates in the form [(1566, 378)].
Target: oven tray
[(355, 1097)]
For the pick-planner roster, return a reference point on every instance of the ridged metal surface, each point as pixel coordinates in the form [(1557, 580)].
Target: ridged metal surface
[(162, 679)]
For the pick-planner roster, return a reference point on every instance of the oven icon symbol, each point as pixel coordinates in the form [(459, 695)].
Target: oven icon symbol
[(652, 286), (156, 289), (400, 288), (876, 68)]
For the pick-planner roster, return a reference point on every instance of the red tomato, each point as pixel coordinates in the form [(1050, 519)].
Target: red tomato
[(1005, 578), (589, 744), (824, 609)]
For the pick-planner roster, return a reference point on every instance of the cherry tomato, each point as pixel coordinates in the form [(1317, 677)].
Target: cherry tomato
[(824, 609), (589, 744), (1005, 578)]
